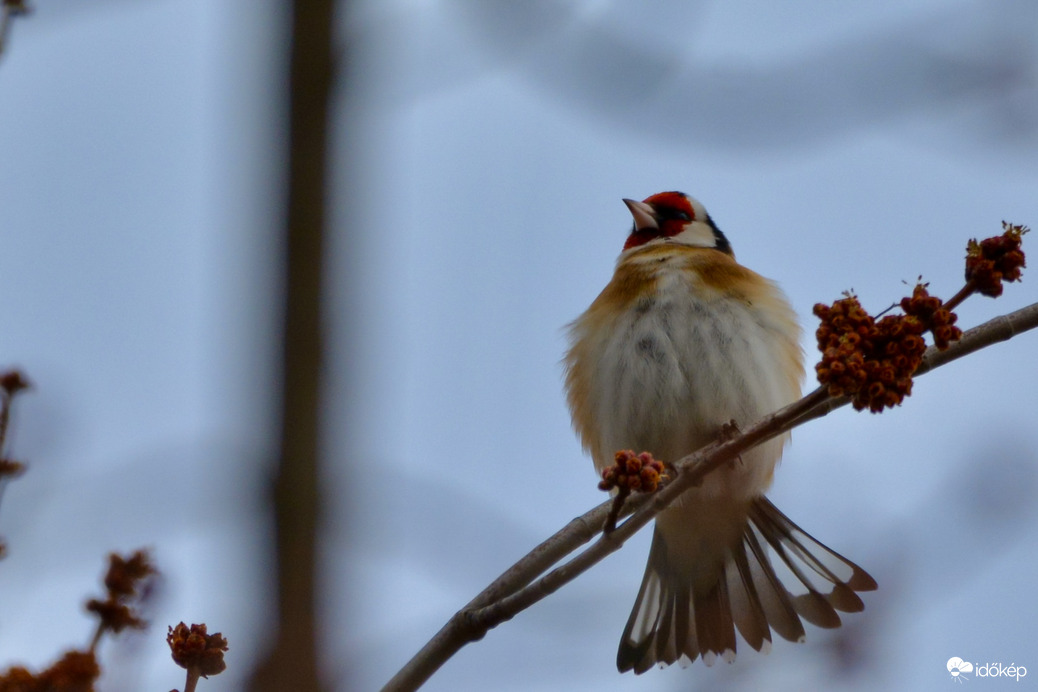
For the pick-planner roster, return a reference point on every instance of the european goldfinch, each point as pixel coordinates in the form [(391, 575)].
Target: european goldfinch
[(681, 342)]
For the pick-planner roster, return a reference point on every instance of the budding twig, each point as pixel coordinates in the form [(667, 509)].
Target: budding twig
[(8, 9)]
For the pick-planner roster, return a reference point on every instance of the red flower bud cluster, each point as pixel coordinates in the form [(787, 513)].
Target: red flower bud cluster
[(197, 650), (872, 361), (123, 582), (994, 260), (934, 317), (76, 671), (12, 382), (637, 472)]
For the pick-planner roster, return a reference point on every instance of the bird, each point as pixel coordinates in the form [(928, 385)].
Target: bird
[(682, 343)]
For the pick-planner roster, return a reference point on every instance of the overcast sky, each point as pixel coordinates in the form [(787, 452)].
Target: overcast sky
[(482, 150)]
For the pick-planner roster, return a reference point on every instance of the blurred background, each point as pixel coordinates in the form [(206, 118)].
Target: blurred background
[(478, 157)]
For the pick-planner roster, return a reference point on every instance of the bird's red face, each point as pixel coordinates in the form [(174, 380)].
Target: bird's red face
[(677, 216), (662, 215)]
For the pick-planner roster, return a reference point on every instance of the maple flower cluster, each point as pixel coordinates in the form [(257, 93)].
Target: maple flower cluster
[(994, 260), (196, 650), (872, 360), (123, 581), (630, 471), (77, 671)]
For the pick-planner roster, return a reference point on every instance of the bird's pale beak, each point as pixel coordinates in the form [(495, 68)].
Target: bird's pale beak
[(644, 216)]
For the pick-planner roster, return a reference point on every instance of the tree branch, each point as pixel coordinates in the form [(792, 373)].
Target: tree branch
[(519, 587)]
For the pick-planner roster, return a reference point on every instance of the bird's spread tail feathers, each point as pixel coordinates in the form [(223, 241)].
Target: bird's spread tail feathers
[(674, 620)]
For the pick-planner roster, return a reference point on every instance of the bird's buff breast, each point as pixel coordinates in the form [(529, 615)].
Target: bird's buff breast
[(674, 349)]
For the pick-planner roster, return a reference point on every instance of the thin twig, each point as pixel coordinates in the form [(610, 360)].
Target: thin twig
[(518, 588), (8, 9), (965, 292), (96, 639), (5, 19), (11, 383)]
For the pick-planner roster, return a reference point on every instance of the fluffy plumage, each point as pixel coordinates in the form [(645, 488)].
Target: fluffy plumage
[(681, 341)]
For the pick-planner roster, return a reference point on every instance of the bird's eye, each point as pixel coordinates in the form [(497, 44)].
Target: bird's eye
[(673, 214)]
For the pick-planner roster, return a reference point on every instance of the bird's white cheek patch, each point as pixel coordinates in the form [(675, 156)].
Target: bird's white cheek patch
[(696, 234)]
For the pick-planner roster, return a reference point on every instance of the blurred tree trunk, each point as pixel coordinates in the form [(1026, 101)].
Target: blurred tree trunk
[(292, 663)]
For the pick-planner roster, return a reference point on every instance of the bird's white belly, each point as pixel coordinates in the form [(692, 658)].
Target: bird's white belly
[(678, 367)]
